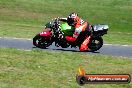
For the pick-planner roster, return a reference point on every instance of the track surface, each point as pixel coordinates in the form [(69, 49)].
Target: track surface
[(114, 50)]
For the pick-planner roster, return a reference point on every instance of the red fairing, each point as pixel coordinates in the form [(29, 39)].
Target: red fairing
[(70, 39), (45, 33)]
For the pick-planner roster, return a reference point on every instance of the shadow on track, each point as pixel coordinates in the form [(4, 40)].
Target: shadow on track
[(75, 50), (67, 50)]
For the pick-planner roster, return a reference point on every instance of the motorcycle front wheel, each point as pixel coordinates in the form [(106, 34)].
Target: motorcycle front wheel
[(41, 41)]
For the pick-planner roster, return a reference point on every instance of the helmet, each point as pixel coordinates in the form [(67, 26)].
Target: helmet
[(72, 19)]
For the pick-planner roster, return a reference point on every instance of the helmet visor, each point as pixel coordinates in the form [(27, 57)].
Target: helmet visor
[(70, 21)]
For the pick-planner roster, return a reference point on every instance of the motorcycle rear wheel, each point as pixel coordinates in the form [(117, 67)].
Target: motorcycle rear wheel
[(95, 44)]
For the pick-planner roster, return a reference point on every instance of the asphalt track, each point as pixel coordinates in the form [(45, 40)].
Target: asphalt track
[(107, 49)]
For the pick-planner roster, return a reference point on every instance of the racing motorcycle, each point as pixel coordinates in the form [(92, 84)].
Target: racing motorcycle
[(55, 32)]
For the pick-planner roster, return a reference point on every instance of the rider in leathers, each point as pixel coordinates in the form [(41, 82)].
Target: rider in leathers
[(80, 27)]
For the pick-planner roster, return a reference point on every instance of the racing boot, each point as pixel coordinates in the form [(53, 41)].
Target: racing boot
[(84, 45)]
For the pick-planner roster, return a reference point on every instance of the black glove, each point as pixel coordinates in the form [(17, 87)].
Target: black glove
[(61, 36)]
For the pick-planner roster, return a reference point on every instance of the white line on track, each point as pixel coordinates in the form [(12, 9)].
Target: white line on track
[(16, 38), (31, 39), (24, 49), (117, 45)]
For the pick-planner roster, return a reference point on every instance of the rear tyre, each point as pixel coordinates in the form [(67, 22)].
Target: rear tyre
[(95, 44), (41, 42)]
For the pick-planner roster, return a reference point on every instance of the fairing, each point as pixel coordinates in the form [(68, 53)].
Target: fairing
[(66, 29), (45, 33)]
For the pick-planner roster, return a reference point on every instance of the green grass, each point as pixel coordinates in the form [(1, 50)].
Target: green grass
[(25, 18), (44, 69)]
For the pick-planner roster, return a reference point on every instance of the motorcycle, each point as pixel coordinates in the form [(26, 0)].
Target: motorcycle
[(55, 32)]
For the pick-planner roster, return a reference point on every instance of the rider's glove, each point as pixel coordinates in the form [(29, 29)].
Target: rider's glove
[(60, 35)]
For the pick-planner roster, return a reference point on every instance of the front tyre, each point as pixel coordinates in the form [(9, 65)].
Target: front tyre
[(95, 43), (41, 42)]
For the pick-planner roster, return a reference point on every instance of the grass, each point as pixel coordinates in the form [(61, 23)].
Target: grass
[(25, 18), (43, 69)]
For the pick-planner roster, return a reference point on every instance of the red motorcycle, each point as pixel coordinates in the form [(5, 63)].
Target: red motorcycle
[(55, 32)]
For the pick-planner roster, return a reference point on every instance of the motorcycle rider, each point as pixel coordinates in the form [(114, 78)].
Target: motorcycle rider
[(82, 28)]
